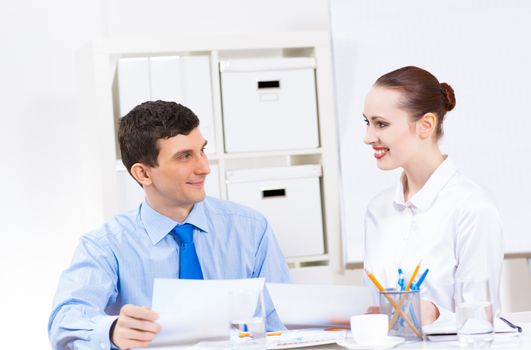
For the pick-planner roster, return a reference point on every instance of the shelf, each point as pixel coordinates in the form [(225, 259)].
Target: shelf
[(200, 43), (101, 99), (301, 259), (287, 153), (314, 260)]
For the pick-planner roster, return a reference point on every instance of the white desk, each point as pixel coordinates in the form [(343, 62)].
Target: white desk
[(502, 341), (521, 341)]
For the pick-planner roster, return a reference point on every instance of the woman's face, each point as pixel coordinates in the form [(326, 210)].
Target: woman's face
[(390, 131)]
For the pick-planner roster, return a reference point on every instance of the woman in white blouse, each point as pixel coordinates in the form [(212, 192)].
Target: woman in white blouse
[(433, 214)]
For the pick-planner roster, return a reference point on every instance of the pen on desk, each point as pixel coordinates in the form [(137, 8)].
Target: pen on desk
[(510, 324), (421, 279)]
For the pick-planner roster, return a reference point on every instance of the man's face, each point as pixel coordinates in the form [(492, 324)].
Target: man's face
[(179, 178)]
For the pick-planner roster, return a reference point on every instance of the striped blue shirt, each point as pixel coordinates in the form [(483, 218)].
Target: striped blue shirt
[(117, 263)]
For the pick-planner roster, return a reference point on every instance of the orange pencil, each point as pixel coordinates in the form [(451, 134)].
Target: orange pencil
[(273, 334), (375, 281), (413, 276)]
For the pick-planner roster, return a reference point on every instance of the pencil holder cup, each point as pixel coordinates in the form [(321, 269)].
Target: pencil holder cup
[(403, 310)]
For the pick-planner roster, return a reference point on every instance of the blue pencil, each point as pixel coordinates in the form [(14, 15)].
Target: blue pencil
[(421, 279)]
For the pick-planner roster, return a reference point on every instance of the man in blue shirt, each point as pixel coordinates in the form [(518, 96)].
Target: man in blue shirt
[(100, 301)]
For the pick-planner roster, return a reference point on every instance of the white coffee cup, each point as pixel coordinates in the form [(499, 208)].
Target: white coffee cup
[(369, 329)]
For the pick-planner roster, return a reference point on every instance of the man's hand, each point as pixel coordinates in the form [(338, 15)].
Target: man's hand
[(429, 312), (135, 327)]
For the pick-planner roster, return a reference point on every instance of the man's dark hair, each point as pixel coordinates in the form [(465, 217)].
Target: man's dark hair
[(141, 128)]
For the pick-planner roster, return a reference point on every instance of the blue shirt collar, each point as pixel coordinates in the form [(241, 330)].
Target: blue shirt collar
[(158, 226)]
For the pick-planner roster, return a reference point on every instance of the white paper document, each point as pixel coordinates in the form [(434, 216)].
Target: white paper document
[(319, 305), (195, 310)]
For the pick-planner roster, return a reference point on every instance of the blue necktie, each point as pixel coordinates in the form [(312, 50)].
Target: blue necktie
[(189, 267)]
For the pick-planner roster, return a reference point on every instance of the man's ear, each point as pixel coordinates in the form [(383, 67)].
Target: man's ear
[(141, 174), (426, 125)]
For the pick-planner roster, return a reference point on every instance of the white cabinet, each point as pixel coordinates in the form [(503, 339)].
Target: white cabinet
[(269, 104), (266, 107), (290, 198)]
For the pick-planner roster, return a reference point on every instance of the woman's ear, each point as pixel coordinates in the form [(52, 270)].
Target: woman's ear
[(426, 125), (141, 174)]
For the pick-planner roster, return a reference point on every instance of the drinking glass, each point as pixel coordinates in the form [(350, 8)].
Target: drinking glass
[(247, 320), (473, 313)]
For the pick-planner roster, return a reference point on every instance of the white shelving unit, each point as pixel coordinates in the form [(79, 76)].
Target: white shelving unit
[(98, 68)]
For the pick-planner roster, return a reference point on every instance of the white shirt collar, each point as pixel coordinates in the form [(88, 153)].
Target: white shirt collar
[(423, 199)]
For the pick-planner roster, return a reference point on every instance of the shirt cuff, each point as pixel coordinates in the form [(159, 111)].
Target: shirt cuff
[(101, 336)]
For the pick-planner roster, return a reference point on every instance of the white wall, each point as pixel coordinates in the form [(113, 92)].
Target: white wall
[(49, 183), (209, 16), (43, 208)]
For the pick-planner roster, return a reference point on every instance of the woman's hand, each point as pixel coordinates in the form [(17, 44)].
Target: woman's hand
[(429, 312), (373, 310)]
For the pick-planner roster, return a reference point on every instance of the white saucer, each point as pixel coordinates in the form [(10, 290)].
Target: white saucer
[(386, 343)]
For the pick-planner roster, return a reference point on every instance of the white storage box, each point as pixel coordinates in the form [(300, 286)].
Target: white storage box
[(269, 104), (290, 198)]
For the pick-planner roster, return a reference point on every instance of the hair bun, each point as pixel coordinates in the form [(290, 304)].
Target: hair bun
[(449, 96)]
